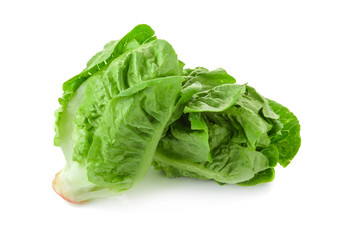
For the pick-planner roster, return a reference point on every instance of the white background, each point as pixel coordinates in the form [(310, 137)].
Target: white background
[(295, 52)]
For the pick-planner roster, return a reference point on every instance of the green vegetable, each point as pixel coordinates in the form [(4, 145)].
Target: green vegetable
[(245, 135), (113, 115), (134, 106)]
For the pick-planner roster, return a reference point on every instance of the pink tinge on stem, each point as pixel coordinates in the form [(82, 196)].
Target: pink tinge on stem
[(55, 184)]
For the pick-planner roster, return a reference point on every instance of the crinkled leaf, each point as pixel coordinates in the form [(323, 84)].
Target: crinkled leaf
[(124, 143), (231, 164), (139, 35), (187, 139), (254, 126), (128, 73), (289, 141), (216, 99), (255, 102)]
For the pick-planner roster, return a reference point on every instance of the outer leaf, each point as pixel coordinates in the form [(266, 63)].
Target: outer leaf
[(288, 143), (139, 35), (117, 138), (125, 142), (128, 73), (231, 164)]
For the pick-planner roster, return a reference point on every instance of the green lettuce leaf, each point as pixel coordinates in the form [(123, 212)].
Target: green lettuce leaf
[(129, 72), (126, 139), (187, 139), (288, 141), (113, 115), (138, 36), (197, 80), (231, 164), (216, 99), (261, 177)]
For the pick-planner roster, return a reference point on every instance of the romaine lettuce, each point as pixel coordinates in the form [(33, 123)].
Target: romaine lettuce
[(134, 106)]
